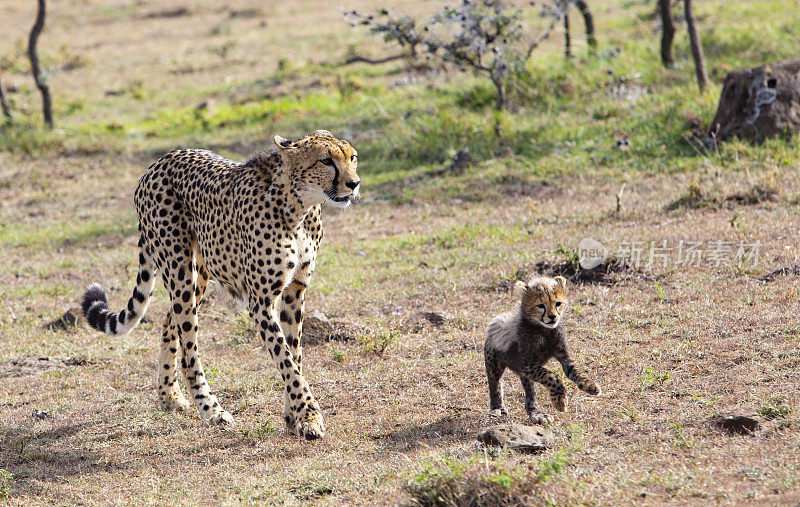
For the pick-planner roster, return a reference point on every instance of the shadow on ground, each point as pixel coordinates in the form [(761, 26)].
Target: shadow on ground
[(444, 431)]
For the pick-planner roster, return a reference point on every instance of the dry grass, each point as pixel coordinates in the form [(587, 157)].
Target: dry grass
[(671, 346), (669, 356)]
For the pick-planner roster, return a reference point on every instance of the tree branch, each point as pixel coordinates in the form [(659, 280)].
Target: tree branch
[(373, 61), (588, 22), (697, 47), (4, 104), (41, 83), (533, 45), (667, 32)]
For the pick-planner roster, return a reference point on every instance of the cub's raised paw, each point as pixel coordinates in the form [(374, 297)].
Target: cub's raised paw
[(498, 412), (593, 388), (221, 419), (310, 426), (559, 402), (540, 418)]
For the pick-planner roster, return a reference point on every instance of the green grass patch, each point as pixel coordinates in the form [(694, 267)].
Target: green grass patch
[(54, 235)]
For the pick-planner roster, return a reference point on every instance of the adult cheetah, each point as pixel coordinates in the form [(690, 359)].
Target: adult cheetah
[(255, 228)]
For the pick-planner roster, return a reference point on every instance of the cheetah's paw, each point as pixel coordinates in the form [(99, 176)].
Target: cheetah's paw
[(593, 388), (223, 419), (310, 426), (559, 402), (176, 403), (538, 417)]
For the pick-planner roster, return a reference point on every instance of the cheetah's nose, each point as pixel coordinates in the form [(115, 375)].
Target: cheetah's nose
[(352, 184), (552, 316)]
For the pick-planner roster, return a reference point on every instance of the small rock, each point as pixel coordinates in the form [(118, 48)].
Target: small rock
[(517, 437), (739, 423), (318, 328), (40, 415), (692, 120), (461, 161), (420, 320), (66, 321), (207, 105)]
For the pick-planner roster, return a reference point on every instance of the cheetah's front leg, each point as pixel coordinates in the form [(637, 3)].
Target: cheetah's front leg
[(535, 414), (291, 315), (582, 380), (304, 417)]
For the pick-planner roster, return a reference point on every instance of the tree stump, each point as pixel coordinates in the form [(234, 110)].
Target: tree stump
[(758, 103)]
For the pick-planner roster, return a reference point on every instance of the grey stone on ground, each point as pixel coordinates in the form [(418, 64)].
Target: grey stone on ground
[(421, 320), (67, 321), (737, 423), (318, 328), (517, 437)]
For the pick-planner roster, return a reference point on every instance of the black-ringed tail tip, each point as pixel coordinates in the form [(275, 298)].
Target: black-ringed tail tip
[(95, 306), (97, 313)]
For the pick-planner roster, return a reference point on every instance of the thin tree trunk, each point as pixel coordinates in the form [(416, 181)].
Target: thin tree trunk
[(667, 32), (697, 47), (4, 104), (567, 42), (41, 83), (588, 22), (498, 84), (374, 61)]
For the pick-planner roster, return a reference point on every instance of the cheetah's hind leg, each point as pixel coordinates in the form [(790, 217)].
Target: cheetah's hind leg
[(170, 396), (494, 372), (180, 278)]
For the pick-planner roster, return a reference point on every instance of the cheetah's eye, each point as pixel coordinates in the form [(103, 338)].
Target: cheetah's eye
[(328, 162), (540, 306), (558, 303)]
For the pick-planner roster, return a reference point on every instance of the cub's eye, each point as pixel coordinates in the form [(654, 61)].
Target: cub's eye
[(558, 303), (329, 162), (540, 306)]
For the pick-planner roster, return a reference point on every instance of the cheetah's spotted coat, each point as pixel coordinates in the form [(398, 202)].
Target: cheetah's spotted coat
[(255, 228)]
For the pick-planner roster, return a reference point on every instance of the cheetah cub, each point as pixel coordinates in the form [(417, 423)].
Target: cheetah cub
[(525, 339)]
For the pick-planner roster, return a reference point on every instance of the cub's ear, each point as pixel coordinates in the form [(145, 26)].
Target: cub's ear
[(520, 289), (561, 282), (283, 143), (323, 133)]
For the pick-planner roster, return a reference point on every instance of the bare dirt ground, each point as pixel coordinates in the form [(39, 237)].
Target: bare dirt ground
[(672, 344), (671, 349)]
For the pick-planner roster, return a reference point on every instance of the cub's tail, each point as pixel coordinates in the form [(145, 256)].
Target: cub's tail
[(95, 301)]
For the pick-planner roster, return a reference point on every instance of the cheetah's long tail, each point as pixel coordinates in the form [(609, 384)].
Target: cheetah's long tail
[(95, 301)]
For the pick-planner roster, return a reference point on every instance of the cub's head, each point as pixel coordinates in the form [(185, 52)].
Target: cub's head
[(323, 168), (542, 300)]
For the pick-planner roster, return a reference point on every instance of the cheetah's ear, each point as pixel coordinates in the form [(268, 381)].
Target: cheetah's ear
[(520, 289), (562, 283), (323, 133), (283, 143)]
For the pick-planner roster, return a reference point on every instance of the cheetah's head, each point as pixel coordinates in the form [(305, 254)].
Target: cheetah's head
[(543, 300), (323, 168)]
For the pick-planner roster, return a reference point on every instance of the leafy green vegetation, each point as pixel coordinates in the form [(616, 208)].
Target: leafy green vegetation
[(566, 117)]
